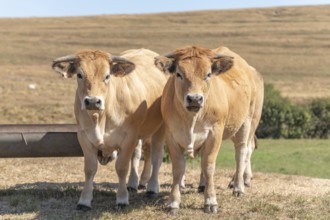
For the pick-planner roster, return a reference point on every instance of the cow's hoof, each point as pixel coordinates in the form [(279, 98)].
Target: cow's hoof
[(212, 209), (238, 193), (173, 211), (120, 207), (201, 189), (151, 195), (142, 187), (131, 189), (83, 208)]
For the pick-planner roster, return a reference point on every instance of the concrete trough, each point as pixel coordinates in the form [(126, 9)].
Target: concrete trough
[(39, 140)]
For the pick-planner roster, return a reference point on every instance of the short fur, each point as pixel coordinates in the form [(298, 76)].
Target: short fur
[(232, 91), (131, 112)]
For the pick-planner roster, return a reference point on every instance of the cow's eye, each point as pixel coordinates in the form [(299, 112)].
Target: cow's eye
[(79, 75), (179, 75), (107, 77), (208, 76)]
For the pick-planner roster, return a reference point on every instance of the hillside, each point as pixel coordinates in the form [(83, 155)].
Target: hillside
[(289, 46)]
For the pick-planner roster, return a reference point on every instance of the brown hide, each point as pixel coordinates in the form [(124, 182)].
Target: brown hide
[(211, 95), (117, 103)]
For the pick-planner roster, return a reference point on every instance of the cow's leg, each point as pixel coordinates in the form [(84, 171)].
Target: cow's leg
[(90, 168), (209, 156), (247, 176), (133, 179), (122, 166), (157, 143), (241, 147), (201, 187), (248, 170), (232, 181), (252, 144), (183, 183), (178, 170), (146, 172)]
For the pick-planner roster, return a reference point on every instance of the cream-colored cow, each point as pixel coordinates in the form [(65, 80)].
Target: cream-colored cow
[(117, 103), (212, 95)]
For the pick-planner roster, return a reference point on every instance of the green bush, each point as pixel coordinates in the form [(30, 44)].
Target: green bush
[(320, 124), (283, 119), (273, 114), (296, 122)]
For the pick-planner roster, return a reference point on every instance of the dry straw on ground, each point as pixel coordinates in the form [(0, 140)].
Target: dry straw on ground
[(50, 188)]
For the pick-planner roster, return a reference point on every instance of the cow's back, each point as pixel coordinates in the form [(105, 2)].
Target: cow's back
[(135, 98)]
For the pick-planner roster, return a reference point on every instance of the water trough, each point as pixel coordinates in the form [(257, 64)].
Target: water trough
[(39, 140)]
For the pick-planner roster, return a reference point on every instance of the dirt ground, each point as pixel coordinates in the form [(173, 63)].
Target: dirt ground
[(49, 188)]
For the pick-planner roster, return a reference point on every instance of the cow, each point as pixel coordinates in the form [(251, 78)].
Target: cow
[(117, 103), (212, 95)]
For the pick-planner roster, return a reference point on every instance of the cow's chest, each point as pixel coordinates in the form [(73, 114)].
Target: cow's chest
[(109, 137), (113, 138), (191, 136)]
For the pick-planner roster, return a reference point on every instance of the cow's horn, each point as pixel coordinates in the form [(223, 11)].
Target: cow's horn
[(69, 58), (169, 55), (118, 59), (219, 55)]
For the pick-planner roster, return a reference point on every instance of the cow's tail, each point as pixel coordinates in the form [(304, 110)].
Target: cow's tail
[(255, 142)]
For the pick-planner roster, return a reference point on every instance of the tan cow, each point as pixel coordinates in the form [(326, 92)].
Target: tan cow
[(117, 103), (212, 95)]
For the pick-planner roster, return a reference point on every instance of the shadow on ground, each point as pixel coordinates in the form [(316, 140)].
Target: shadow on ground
[(56, 200)]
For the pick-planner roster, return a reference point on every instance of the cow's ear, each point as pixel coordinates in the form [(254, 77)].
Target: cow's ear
[(165, 64), (221, 64), (120, 66), (67, 70), (66, 66)]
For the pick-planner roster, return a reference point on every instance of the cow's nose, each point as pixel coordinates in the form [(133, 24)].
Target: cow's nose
[(195, 99), (93, 103)]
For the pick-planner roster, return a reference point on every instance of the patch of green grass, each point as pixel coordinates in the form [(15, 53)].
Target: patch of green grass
[(294, 157)]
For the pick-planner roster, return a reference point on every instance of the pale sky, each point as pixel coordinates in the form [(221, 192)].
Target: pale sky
[(55, 8)]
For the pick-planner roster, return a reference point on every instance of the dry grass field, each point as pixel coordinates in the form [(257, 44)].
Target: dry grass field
[(289, 46), (28, 192)]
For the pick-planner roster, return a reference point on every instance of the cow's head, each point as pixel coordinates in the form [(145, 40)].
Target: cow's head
[(194, 68), (93, 70)]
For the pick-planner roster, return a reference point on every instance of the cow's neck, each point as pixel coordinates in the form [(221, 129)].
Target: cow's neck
[(191, 137), (95, 130), (117, 98), (190, 123)]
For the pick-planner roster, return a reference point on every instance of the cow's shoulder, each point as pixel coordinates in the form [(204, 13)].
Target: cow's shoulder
[(241, 72)]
